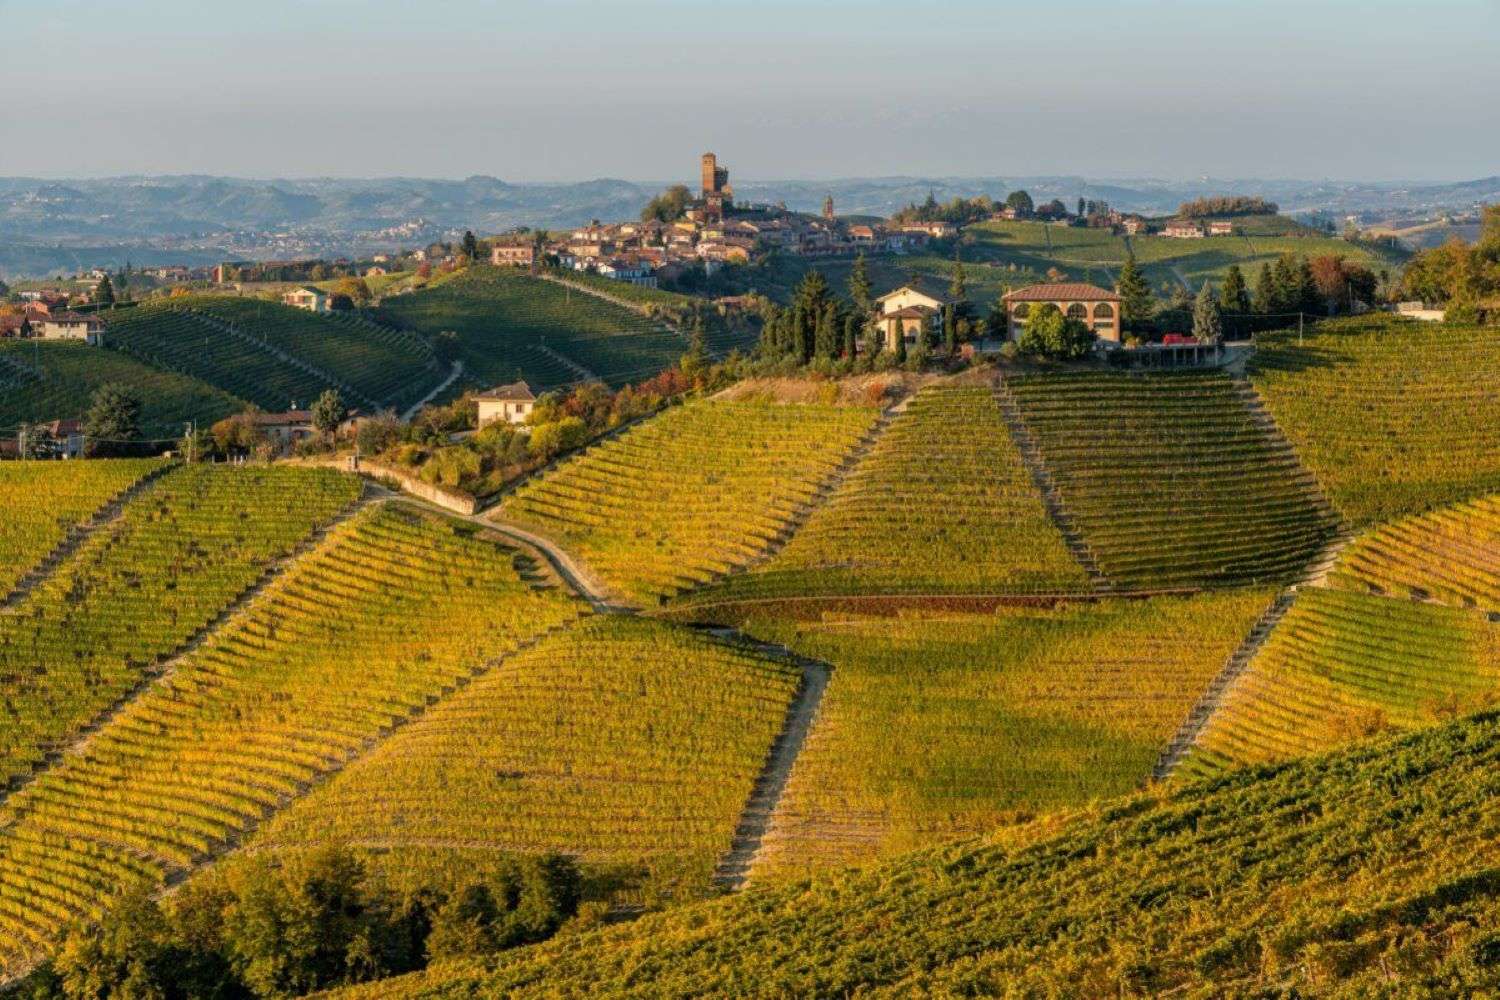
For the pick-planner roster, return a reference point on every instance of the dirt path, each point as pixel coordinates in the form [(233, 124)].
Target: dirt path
[(411, 411), (734, 868)]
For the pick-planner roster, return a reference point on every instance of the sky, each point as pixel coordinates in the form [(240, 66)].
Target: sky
[(562, 90)]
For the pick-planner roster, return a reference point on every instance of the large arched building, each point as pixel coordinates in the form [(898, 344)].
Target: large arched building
[(1098, 308)]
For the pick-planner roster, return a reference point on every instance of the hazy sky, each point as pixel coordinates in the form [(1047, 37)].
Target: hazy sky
[(573, 89)]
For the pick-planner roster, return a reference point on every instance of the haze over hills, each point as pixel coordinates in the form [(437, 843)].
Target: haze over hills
[(48, 225)]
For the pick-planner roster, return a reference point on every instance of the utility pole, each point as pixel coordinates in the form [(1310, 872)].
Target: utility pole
[(1299, 329)]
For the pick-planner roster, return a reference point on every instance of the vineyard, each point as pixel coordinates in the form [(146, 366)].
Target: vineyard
[(320, 667), (1451, 555), (938, 725), (941, 505), (1341, 666), (619, 740), (389, 366), (54, 380), (132, 595), (43, 501), (506, 322), (1171, 481), (689, 495), (1338, 877), (1394, 417)]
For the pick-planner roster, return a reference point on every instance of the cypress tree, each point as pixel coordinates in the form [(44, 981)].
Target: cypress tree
[(859, 285), (901, 341), (105, 293), (826, 339), (1208, 324), (1308, 298), (851, 334), (950, 330), (1286, 294), (1234, 297), (1135, 293), (1265, 291), (874, 344), (958, 288)]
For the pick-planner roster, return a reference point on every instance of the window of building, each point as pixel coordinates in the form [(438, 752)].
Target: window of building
[(1078, 311), (1104, 311), (1021, 311)]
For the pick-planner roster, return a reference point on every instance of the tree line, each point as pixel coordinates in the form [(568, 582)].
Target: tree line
[(1200, 208), (273, 929), (1461, 275)]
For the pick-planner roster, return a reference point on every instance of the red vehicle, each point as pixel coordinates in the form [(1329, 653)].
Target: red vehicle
[(1178, 340)]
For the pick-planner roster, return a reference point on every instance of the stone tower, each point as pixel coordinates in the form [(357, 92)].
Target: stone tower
[(828, 208)]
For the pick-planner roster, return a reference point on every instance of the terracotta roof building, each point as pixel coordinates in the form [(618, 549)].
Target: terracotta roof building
[(512, 403), (1098, 308)]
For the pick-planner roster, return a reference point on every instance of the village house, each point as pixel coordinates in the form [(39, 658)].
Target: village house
[(15, 325), (1133, 225), (1182, 229), (307, 297), (70, 326), (1222, 227), (936, 230), (283, 429), (634, 271), (513, 255), (1097, 308), (907, 311), (511, 403)]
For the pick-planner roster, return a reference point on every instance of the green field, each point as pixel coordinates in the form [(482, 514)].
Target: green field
[(1340, 666), (502, 319), (622, 741), (938, 725), (42, 382), (1393, 416), (1362, 874), (321, 666), (1170, 480), (691, 494), (941, 505)]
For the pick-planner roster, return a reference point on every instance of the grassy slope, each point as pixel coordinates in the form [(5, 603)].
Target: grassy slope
[(934, 726), (72, 371), (1393, 416), (1369, 872)]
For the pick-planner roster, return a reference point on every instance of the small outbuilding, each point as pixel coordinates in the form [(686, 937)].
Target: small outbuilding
[(511, 403)]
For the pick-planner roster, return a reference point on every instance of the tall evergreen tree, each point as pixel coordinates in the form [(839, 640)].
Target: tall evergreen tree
[(1264, 300), (851, 335), (900, 341), (471, 244), (1080, 208), (826, 343), (1135, 293), (1286, 292), (1208, 324), (958, 288), (105, 293), (1234, 297), (859, 286), (1308, 297), (950, 329), (874, 343), (113, 423)]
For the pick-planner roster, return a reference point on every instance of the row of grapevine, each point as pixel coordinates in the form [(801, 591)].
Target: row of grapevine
[(132, 594), (43, 501), (1341, 666), (1394, 417), (1171, 481), (63, 376), (1451, 555), (386, 365), (323, 664), (941, 505), (1370, 873), (689, 495), (935, 725), (619, 740)]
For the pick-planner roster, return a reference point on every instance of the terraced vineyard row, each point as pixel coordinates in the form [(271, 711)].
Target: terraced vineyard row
[(1340, 666), (1394, 417), (1170, 480), (620, 739), (134, 593), (500, 317), (390, 366), (941, 505), (936, 725), (321, 666), (179, 341), (61, 377), (1451, 555), (689, 495), (43, 501)]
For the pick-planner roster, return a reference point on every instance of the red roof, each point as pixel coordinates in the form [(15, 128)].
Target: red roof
[(1065, 292)]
